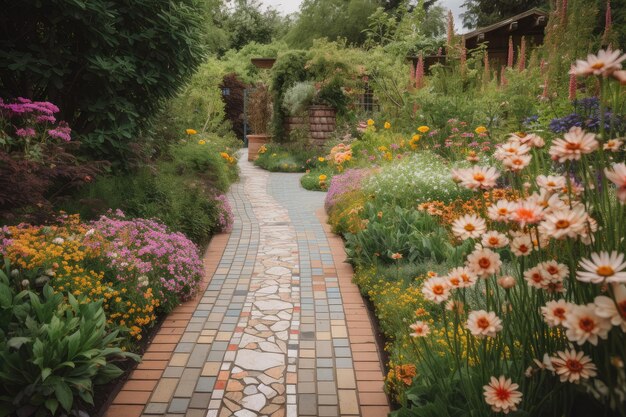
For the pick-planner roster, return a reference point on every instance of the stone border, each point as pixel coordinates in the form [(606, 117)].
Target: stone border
[(365, 351), (134, 395)]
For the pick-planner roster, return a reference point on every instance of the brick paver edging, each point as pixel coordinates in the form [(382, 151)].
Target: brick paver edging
[(365, 353), (135, 393)]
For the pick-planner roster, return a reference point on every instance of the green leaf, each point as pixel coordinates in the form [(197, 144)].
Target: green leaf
[(45, 373), (64, 394), (52, 405), (17, 342)]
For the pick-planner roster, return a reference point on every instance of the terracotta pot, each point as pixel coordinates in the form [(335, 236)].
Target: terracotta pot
[(322, 122), (254, 144)]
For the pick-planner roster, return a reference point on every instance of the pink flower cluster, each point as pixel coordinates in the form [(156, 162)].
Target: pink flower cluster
[(141, 247), (340, 184), (225, 216), (25, 111)]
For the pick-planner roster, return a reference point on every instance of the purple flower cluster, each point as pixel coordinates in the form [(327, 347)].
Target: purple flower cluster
[(225, 216), (141, 247), (586, 115), (350, 180)]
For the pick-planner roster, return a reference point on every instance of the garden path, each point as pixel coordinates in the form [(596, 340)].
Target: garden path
[(280, 330)]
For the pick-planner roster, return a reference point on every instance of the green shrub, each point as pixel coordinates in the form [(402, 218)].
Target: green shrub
[(298, 97), (288, 70), (311, 180), (199, 105), (52, 352), (107, 65), (393, 229), (287, 158), (184, 193), (209, 161)]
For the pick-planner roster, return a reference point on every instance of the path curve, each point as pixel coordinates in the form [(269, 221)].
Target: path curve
[(279, 330)]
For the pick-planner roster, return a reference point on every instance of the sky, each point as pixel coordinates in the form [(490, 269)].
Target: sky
[(290, 6)]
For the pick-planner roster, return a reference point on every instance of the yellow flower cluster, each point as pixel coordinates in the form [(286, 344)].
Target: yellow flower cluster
[(262, 149), (58, 256)]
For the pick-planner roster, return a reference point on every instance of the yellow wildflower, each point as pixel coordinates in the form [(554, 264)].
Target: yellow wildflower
[(480, 129), (191, 131), (387, 125), (423, 129), (202, 142), (370, 122)]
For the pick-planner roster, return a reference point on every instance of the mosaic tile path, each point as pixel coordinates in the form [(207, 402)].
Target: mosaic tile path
[(279, 331)]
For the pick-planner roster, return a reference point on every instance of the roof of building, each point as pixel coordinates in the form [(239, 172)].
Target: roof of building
[(498, 25)]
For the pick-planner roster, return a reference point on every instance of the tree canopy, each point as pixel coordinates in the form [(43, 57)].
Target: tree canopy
[(332, 19)]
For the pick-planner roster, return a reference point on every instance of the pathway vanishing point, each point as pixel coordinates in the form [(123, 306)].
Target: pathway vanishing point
[(277, 330)]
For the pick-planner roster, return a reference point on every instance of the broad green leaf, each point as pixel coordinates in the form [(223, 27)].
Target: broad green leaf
[(63, 393)]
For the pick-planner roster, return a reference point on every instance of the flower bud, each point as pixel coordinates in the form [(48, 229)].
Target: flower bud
[(507, 282)]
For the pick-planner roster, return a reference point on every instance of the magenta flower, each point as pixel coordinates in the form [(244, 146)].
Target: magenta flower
[(27, 132), (62, 131)]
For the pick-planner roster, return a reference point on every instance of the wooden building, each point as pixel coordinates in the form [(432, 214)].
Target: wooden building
[(530, 25)]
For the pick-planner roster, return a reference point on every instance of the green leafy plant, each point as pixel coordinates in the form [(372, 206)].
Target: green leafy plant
[(298, 97), (52, 352), (411, 233)]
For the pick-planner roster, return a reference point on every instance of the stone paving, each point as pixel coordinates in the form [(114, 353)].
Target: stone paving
[(279, 331)]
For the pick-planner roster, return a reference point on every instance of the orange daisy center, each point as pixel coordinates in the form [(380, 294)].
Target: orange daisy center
[(562, 224), (598, 65), (438, 289), (552, 270), (605, 271), (503, 394), (537, 277), (493, 240), (587, 324), (551, 184), (524, 248), (469, 227), (503, 211), (572, 146), (482, 322), (465, 278), (574, 366), (455, 281), (559, 312), (484, 263), (479, 177), (525, 214)]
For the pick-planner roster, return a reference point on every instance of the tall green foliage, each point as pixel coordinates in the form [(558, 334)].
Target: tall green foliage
[(288, 70), (248, 23), (199, 105), (332, 19), (106, 63)]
